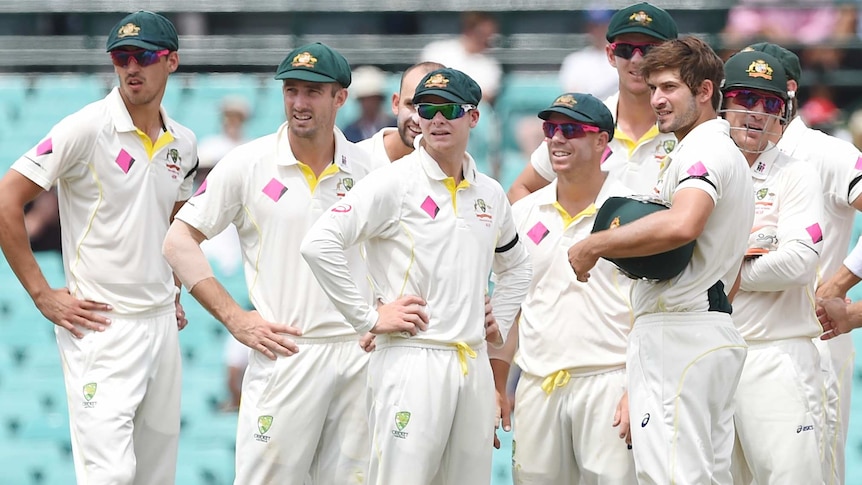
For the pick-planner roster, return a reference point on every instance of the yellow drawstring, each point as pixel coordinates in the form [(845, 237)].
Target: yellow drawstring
[(464, 351), (555, 380)]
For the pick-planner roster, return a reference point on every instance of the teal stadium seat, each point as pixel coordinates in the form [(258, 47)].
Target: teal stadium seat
[(35, 463)]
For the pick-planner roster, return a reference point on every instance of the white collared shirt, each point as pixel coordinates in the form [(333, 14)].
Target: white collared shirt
[(116, 196), (776, 294), (708, 160), (558, 309), (424, 236), (273, 200), (377, 149)]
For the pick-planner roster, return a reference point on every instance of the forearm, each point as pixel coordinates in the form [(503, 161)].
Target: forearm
[(838, 284), (791, 266), (511, 285), (653, 234), (506, 353), (16, 247), (217, 301), (854, 314)]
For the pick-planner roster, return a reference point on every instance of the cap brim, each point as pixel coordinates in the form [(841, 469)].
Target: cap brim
[(545, 114), (637, 29), (135, 43), (447, 95), (302, 75)]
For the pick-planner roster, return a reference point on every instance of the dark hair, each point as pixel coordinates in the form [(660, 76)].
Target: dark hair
[(695, 60), (426, 66), (470, 20)]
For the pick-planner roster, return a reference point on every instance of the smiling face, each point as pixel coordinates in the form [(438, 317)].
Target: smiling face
[(311, 107), (442, 137), (575, 154), (403, 109), (140, 86), (674, 104)]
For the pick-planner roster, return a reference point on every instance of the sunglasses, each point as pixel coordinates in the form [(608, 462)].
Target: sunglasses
[(627, 50), (450, 111), (143, 57), (772, 105), (569, 130)]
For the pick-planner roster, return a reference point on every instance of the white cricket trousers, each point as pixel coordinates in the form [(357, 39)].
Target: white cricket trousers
[(778, 413), (565, 436), (683, 369), (431, 413), (123, 389), (304, 415), (837, 358)]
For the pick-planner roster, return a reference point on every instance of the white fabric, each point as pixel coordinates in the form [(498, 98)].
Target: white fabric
[(123, 389), (214, 148), (261, 189), (115, 203), (425, 237), (375, 147), (682, 371), (708, 160), (853, 261), (558, 310), (566, 437), (637, 168), (588, 71), (776, 295), (484, 69), (449, 429), (311, 403), (779, 412)]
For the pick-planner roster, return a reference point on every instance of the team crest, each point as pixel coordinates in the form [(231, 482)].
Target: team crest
[(614, 223), (402, 418), (668, 145), (759, 68), (437, 81), (640, 17), (304, 59), (128, 30), (482, 208), (762, 193), (90, 390), (344, 185), (566, 100), (172, 162), (264, 423)]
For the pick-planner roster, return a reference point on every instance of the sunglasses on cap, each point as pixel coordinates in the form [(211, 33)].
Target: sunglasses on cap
[(569, 130), (626, 50), (749, 99), (143, 57), (450, 111)]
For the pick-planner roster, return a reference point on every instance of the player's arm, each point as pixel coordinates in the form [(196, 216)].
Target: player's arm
[(838, 317), (537, 173), (501, 362), (850, 273), (512, 273)]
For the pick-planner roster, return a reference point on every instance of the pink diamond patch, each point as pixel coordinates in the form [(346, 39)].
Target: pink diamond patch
[(125, 161), (697, 170), (202, 188), (45, 147), (274, 190), (859, 163), (815, 232), (538, 233), (430, 207)]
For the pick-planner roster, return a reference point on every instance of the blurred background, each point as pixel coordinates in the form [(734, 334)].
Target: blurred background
[(526, 52)]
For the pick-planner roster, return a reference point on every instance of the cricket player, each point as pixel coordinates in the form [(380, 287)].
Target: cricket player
[(432, 226), (123, 169), (637, 149), (298, 413), (390, 144), (572, 338), (838, 164), (685, 356), (778, 403)]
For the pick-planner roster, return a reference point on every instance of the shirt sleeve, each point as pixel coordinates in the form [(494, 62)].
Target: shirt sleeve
[(218, 201), (69, 143), (853, 262), (541, 162), (369, 210), (800, 238), (186, 188), (701, 173), (512, 272)]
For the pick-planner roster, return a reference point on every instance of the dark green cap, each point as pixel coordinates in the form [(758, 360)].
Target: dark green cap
[(755, 70), (618, 211), (788, 59), (316, 63), (144, 29), (642, 18), (585, 108), (451, 85)]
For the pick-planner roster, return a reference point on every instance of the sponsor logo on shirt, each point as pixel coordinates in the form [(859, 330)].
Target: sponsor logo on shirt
[(645, 420), (802, 428), (344, 185), (482, 208)]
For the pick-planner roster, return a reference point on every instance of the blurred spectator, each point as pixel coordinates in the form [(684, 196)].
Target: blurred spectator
[(235, 112), (529, 135), (467, 52), (42, 221), (819, 112), (236, 360), (854, 126), (588, 70), (368, 89)]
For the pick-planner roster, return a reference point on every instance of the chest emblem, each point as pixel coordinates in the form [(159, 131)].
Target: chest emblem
[(172, 163), (124, 160), (274, 190), (344, 186), (538, 233), (430, 207)]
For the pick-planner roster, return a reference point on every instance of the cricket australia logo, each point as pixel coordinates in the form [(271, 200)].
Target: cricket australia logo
[(482, 208), (344, 186), (263, 425), (402, 419), (89, 394), (173, 161)]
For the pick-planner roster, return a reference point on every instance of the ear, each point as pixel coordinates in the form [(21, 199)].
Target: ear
[(704, 94), (602, 141), (396, 99), (474, 117), (340, 97), (612, 59), (173, 61)]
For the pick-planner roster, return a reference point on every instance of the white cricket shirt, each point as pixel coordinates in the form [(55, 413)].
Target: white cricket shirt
[(375, 147)]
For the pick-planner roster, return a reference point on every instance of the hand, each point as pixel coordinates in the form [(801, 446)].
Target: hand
[(181, 315), (367, 342), (621, 419), (492, 330), (504, 416), (402, 315), (265, 337), (64, 310), (833, 317), (827, 291), (582, 259)]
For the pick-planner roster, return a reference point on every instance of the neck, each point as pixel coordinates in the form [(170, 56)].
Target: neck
[(451, 163), (395, 147), (147, 118), (317, 152), (706, 114), (635, 116), (577, 189), (751, 157)]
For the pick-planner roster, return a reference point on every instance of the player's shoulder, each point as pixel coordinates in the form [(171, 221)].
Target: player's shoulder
[(829, 147), (181, 132), (796, 169)]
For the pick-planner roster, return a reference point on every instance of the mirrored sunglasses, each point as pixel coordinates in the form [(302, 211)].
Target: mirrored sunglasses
[(143, 57), (450, 111), (772, 105), (627, 50), (569, 130)]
